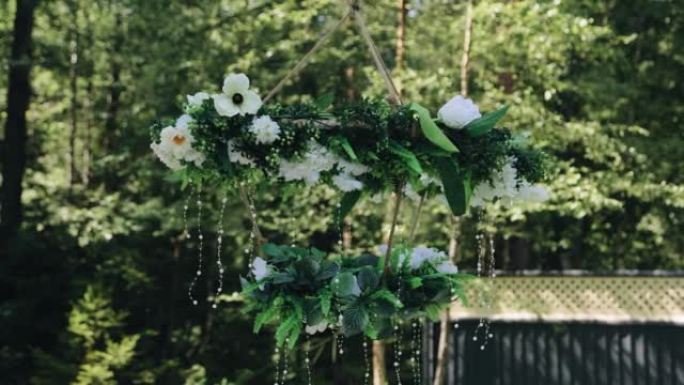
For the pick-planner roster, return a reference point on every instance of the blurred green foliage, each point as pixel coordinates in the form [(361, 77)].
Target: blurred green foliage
[(95, 290)]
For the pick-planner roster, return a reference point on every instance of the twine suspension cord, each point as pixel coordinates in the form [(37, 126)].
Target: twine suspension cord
[(305, 59)]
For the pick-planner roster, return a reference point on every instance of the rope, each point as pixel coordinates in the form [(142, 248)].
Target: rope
[(304, 60), (355, 11)]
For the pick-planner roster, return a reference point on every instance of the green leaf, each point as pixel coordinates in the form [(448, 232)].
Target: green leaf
[(346, 146), (272, 250), (415, 282), (485, 123), (328, 270), (457, 186), (346, 284), (431, 131), (348, 201), (286, 329), (324, 101), (408, 157), (264, 317), (368, 279), (389, 297), (280, 278), (326, 301), (355, 319)]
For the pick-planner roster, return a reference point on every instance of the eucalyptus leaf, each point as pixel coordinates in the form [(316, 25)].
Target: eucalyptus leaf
[(430, 129), (346, 146), (355, 319), (486, 122), (347, 284), (368, 279)]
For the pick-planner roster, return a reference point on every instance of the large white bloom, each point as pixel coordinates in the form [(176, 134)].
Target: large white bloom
[(346, 182), (261, 269), (197, 99), (532, 193), (458, 112), (265, 130), (237, 98), (316, 160), (237, 156), (175, 145)]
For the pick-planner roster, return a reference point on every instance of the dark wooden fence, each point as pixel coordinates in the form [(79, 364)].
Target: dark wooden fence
[(564, 354)]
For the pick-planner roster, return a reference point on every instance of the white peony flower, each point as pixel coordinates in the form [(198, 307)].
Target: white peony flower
[(313, 329), (236, 156), (346, 182), (197, 99), (175, 145), (532, 193), (237, 98), (261, 269), (458, 112), (265, 130), (447, 267)]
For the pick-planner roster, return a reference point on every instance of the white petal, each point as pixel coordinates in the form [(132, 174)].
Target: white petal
[(224, 106), (235, 83), (251, 102), (183, 121)]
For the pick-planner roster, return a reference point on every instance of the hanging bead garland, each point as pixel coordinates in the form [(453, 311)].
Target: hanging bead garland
[(200, 237), (219, 243)]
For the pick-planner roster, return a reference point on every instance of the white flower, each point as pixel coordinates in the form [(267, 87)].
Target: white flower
[(197, 99), (309, 168), (319, 328), (346, 182), (505, 186), (421, 255), (175, 145), (350, 168), (458, 112), (447, 267), (236, 98), (236, 156), (261, 269), (265, 130)]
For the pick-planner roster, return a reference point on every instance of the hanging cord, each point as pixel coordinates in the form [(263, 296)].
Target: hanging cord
[(305, 59), (375, 53)]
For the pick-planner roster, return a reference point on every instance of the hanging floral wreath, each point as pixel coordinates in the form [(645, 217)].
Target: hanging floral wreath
[(366, 147)]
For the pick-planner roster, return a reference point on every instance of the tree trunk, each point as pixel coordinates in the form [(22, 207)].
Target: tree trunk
[(18, 97), (115, 87), (89, 99), (73, 87), (465, 58), (443, 343), (379, 372)]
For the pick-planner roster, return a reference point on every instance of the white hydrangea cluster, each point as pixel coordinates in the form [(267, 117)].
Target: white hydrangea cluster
[(175, 145), (317, 160), (265, 130), (505, 187), (261, 270), (421, 255), (319, 328)]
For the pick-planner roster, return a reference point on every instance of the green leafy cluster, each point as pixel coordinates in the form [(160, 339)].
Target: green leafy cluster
[(399, 145), (351, 295)]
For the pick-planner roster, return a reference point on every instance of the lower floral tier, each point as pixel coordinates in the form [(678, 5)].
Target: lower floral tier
[(303, 289)]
